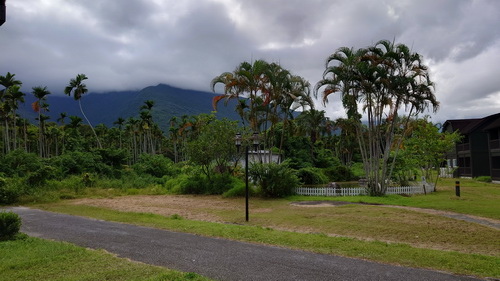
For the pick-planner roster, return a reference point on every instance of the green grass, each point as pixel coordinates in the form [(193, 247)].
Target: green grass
[(395, 253), (38, 259), (477, 198)]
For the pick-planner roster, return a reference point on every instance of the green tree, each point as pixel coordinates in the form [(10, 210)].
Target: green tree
[(386, 82), (427, 146), (78, 89), (40, 106), (214, 145)]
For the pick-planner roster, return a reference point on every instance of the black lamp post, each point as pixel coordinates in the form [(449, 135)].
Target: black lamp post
[(238, 141)]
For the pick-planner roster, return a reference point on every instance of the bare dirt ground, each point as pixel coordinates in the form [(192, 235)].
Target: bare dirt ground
[(202, 207)]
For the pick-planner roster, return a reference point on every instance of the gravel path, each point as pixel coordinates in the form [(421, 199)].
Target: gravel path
[(216, 258)]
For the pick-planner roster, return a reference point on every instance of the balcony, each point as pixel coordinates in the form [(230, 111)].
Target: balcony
[(463, 147), (495, 174), (495, 144)]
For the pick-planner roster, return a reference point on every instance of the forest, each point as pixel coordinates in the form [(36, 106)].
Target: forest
[(386, 138)]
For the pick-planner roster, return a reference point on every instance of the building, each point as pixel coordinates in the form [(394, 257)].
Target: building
[(478, 153)]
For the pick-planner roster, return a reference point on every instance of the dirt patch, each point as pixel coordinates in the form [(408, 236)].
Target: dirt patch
[(327, 203), (189, 207)]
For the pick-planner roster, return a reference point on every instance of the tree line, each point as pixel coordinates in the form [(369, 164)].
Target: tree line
[(383, 89)]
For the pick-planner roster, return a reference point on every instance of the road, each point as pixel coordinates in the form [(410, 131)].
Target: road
[(219, 259)]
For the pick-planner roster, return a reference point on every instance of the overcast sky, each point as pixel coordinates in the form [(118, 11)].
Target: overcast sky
[(131, 44)]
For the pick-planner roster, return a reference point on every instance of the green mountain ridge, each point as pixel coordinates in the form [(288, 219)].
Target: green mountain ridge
[(106, 108)]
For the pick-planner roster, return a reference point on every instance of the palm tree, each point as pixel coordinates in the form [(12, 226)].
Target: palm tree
[(120, 122), (246, 80), (382, 81), (78, 88), (41, 106), (9, 97)]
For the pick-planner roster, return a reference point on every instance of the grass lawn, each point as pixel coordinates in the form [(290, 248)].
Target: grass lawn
[(476, 198), (378, 233), (38, 259), (460, 262)]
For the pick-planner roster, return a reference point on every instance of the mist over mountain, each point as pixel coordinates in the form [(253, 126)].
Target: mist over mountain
[(106, 108)]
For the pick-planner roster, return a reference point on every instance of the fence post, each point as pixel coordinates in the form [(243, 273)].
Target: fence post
[(457, 188)]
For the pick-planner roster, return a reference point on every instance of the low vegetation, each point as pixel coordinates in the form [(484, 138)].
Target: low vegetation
[(37, 259), (424, 239)]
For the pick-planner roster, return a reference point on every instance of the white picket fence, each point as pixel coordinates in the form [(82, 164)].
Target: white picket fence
[(354, 191)]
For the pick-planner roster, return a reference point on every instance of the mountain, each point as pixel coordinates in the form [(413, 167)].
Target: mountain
[(106, 108)]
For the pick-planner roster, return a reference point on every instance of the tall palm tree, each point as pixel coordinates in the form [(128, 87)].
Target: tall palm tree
[(247, 81), (120, 122), (383, 81), (41, 106), (78, 88), (9, 96)]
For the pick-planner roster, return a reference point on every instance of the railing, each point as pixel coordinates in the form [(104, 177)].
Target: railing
[(463, 147), (354, 191), (495, 144), (495, 174)]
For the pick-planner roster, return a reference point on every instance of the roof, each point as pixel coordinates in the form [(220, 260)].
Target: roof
[(467, 126)]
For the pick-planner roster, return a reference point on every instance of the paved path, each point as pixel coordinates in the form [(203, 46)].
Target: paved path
[(215, 258)]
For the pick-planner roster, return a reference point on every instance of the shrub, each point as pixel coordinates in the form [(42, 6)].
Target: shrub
[(237, 190), (8, 194), (275, 180), (155, 165), (10, 224), (484, 179), (19, 163), (312, 176), (40, 176), (339, 173), (201, 184)]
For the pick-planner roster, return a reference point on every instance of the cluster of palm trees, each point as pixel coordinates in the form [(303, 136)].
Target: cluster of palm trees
[(386, 83), (267, 94)]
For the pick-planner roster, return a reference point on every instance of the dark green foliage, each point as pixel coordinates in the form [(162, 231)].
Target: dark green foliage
[(40, 176), (484, 179), (113, 157), (323, 158), (312, 176), (19, 163), (155, 165), (339, 173), (8, 194), (10, 224), (198, 183), (238, 190), (78, 162), (275, 180)]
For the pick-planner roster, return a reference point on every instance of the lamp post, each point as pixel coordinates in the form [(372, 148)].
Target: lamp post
[(238, 141)]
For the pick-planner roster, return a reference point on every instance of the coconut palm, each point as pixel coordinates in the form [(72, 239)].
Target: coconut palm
[(78, 89)]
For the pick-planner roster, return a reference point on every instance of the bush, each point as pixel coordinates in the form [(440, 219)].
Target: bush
[(155, 165), (312, 176), (339, 173), (237, 190), (40, 176), (275, 180), (484, 179), (198, 183), (19, 163), (10, 224), (8, 194)]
